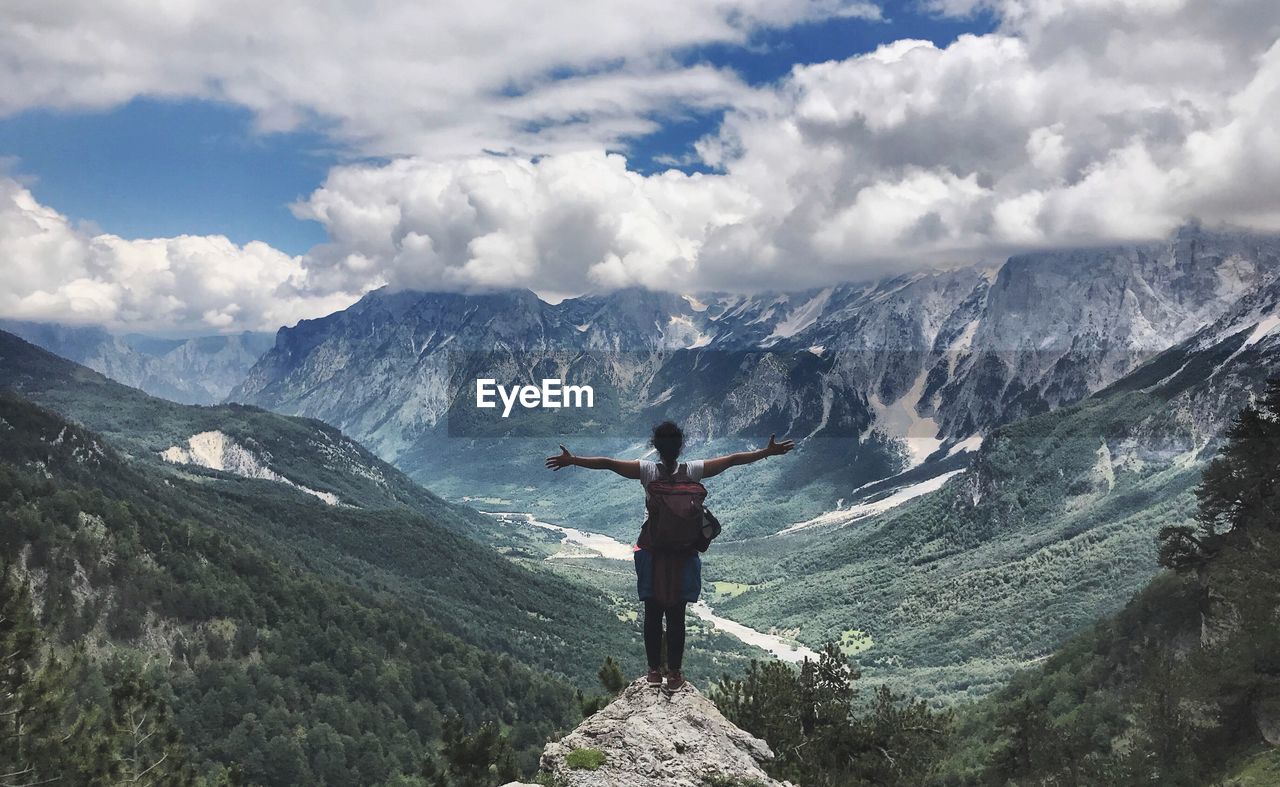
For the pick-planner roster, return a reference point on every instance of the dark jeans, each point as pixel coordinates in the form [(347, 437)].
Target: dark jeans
[(653, 614)]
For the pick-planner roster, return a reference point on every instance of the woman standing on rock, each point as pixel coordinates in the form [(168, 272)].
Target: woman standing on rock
[(668, 569)]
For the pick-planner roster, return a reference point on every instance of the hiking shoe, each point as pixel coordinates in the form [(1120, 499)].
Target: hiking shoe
[(654, 678), (675, 680)]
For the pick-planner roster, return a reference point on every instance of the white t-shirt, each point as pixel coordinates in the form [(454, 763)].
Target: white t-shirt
[(649, 472)]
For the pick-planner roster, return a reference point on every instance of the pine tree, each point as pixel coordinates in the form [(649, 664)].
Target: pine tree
[(765, 702), (901, 739), (25, 707), (1241, 487), (1026, 747), (1239, 491), (147, 748), (477, 759), (46, 736), (611, 676), (808, 718)]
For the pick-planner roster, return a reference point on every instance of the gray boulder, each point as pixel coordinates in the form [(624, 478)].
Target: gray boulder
[(648, 737)]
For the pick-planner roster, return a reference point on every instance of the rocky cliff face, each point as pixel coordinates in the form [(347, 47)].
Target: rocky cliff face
[(649, 738), (1058, 326)]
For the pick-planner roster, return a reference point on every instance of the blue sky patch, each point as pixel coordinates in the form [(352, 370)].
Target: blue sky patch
[(159, 168)]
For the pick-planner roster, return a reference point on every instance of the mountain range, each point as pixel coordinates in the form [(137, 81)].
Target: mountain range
[(977, 446), (895, 389), (897, 371), (876, 378)]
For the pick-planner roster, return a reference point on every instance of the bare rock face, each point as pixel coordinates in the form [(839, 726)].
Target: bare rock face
[(650, 738), (1268, 719)]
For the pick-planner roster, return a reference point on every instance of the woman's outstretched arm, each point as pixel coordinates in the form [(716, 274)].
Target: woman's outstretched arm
[(624, 468), (721, 463)]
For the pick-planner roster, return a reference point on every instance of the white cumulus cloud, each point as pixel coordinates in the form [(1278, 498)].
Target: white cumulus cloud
[(397, 76), (1077, 122), (1074, 122), (563, 224), (54, 271)]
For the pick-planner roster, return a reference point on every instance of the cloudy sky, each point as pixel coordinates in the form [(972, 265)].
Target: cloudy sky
[(218, 165)]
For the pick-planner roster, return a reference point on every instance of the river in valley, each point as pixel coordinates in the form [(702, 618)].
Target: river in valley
[(578, 544)]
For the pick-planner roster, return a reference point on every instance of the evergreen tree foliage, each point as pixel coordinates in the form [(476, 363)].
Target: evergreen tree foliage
[(1174, 689), (1239, 493), (611, 676), (235, 665), (480, 758), (65, 721), (819, 734), (612, 679)]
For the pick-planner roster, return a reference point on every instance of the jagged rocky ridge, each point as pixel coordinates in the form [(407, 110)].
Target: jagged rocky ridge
[(935, 357)]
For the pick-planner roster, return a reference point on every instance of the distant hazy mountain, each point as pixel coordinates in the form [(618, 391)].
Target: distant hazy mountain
[(201, 370), (897, 370)]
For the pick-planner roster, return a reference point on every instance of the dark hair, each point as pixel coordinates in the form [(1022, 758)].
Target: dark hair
[(668, 439)]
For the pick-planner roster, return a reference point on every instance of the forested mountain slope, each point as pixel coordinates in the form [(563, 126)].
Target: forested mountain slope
[(286, 675), (384, 532), (1182, 687), (1047, 531), (303, 452)]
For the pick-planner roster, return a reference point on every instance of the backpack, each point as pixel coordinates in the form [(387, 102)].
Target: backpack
[(678, 521), (675, 507)]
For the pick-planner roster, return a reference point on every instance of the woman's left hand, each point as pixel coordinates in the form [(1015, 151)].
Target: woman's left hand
[(775, 448), (563, 459)]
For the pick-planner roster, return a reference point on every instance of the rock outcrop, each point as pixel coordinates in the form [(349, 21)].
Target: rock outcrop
[(648, 737)]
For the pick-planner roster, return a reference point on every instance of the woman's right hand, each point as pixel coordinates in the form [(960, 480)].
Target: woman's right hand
[(563, 459)]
